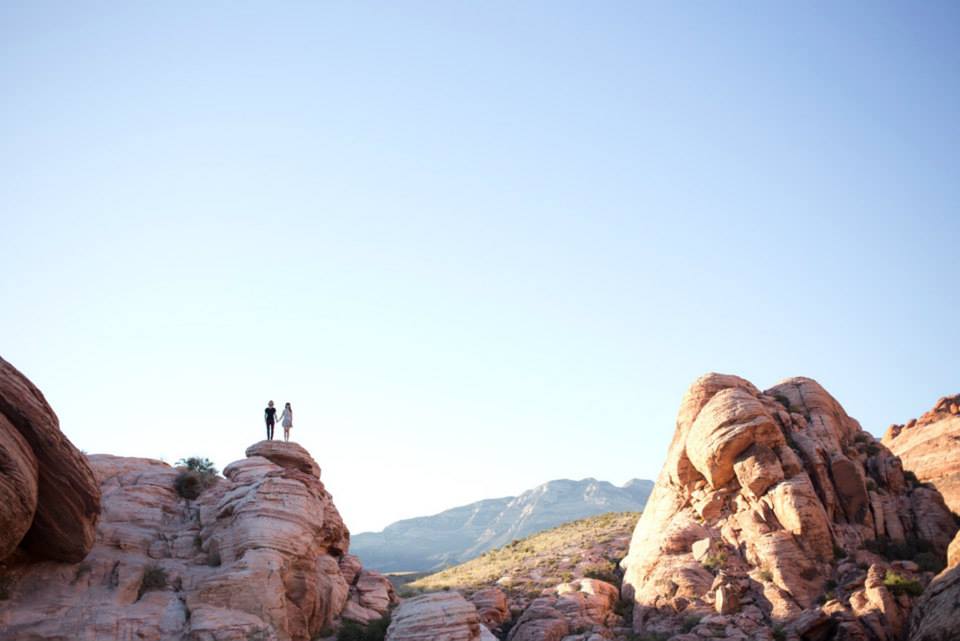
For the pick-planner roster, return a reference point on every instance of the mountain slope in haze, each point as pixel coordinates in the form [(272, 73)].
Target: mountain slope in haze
[(432, 542)]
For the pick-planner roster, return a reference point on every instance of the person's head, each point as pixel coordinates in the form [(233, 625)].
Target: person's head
[(288, 406), (269, 403)]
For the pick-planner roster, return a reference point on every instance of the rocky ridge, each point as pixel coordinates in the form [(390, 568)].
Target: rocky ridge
[(261, 553), (929, 447), (776, 514)]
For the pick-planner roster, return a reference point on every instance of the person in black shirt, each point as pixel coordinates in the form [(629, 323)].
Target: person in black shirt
[(270, 416)]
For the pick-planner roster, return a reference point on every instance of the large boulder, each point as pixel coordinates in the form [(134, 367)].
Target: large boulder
[(764, 501), (18, 487), (930, 448), (52, 483), (259, 554), (432, 617)]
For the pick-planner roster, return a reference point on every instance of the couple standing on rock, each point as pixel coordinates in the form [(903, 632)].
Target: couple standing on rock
[(286, 420)]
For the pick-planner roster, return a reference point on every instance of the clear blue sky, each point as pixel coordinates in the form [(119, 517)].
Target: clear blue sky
[(477, 245)]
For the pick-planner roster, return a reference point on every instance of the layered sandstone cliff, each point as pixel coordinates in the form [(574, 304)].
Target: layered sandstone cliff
[(260, 554), (776, 513), (929, 447)]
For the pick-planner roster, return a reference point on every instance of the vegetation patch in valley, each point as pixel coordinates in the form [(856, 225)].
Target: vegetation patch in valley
[(586, 548)]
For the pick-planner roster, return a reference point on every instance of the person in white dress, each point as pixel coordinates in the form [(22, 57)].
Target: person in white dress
[(286, 420)]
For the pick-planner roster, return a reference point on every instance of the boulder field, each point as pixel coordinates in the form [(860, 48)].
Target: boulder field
[(777, 516)]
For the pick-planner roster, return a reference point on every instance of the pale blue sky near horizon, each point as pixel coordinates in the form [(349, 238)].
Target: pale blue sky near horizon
[(477, 245)]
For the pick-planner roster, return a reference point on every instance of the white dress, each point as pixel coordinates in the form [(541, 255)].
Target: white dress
[(286, 419)]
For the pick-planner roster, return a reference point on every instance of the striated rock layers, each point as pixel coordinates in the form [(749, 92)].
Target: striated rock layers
[(260, 555), (930, 448), (49, 498), (775, 511)]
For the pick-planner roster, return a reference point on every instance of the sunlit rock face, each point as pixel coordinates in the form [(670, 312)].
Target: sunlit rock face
[(764, 517), (930, 448), (49, 498), (261, 553)]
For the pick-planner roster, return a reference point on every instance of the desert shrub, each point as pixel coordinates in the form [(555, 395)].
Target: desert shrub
[(929, 562), (603, 572), (373, 631), (872, 449), (566, 576), (899, 584), (871, 485), (913, 549), (154, 578), (714, 562), (779, 634), (766, 576), (862, 437), (624, 608), (838, 552), (196, 475), (198, 464), (213, 558), (910, 477)]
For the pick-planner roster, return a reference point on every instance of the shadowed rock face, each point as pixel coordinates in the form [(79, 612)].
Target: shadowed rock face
[(49, 498), (930, 448), (762, 515), (936, 615), (259, 554)]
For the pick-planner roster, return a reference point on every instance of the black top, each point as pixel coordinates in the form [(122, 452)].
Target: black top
[(269, 414)]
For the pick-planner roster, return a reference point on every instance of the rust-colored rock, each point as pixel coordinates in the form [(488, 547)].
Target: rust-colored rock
[(930, 448), (761, 496), (18, 487), (67, 495)]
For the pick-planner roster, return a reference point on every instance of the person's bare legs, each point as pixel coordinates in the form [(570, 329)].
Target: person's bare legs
[(286, 434)]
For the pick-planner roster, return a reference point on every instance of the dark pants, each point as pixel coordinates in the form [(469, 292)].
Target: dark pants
[(269, 430)]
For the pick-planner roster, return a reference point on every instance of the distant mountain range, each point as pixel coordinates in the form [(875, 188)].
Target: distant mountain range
[(430, 543)]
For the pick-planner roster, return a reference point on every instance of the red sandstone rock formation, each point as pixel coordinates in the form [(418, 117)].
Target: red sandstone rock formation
[(763, 516), (930, 448), (260, 554), (49, 498)]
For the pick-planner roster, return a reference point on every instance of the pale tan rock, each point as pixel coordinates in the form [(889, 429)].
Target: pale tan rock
[(441, 616), (931, 450), (728, 424), (286, 455), (769, 491), (757, 468), (68, 499), (259, 554), (799, 510)]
